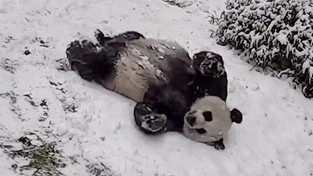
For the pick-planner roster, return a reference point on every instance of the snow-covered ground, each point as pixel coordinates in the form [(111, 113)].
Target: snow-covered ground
[(94, 127)]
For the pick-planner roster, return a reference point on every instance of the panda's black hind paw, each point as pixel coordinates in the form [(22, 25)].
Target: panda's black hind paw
[(153, 123), (148, 121), (85, 59), (76, 51)]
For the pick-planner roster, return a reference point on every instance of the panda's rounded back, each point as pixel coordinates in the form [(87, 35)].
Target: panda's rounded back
[(168, 57), (146, 62)]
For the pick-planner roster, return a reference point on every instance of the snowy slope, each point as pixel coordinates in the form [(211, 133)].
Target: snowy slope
[(94, 127)]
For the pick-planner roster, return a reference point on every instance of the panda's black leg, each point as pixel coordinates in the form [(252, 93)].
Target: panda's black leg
[(219, 145), (149, 121), (211, 75), (163, 109), (80, 55), (91, 63)]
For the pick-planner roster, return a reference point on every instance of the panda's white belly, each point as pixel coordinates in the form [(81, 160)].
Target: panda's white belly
[(133, 75)]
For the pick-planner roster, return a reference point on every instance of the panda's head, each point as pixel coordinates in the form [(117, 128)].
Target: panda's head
[(209, 64), (209, 119)]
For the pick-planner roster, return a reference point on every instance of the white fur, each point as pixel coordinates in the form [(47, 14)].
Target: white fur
[(217, 128), (133, 74), (144, 61)]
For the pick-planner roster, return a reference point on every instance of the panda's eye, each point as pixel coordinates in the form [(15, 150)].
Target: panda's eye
[(207, 116), (201, 131)]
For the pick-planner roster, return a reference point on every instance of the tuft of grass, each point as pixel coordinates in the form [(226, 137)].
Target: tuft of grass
[(9, 65), (99, 169), (43, 159)]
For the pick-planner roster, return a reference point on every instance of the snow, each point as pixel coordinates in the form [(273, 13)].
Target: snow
[(307, 65), (92, 125), (282, 38)]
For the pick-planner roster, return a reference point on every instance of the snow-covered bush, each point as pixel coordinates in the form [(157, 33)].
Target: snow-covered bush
[(275, 34)]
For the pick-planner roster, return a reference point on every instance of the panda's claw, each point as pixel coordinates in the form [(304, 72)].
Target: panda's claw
[(219, 145)]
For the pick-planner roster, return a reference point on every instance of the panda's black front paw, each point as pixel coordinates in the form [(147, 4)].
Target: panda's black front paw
[(148, 121), (219, 145), (209, 64)]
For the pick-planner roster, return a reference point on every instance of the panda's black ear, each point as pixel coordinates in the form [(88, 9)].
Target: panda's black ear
[(236, 116)]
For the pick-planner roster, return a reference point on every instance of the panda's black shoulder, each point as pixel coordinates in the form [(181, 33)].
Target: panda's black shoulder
[(203, 86), (219, 86)]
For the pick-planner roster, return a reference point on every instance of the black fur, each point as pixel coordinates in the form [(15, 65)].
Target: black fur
[(92, 63), (143, 114), (166, 100), (204, 85), (102, 39), (126, 36), (219, 145), (236, 116), (207, 62), (207, 116), (210, 81), (129, 35)]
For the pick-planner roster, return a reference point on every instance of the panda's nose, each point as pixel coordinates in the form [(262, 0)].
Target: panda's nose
[(191, 120)]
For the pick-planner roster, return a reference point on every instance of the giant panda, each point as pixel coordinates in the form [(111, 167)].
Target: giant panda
[(168, 86)]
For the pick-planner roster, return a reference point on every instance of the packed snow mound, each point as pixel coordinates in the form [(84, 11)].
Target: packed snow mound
[(53, 121), (272, 33)]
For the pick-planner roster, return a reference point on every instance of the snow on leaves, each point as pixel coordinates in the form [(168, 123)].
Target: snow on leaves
[(272, 33)]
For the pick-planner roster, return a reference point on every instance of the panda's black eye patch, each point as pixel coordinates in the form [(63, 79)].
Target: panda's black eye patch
[(201, 131), (207, 116)]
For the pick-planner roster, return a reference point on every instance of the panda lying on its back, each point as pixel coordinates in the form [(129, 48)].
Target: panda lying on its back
[(173, 93)]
